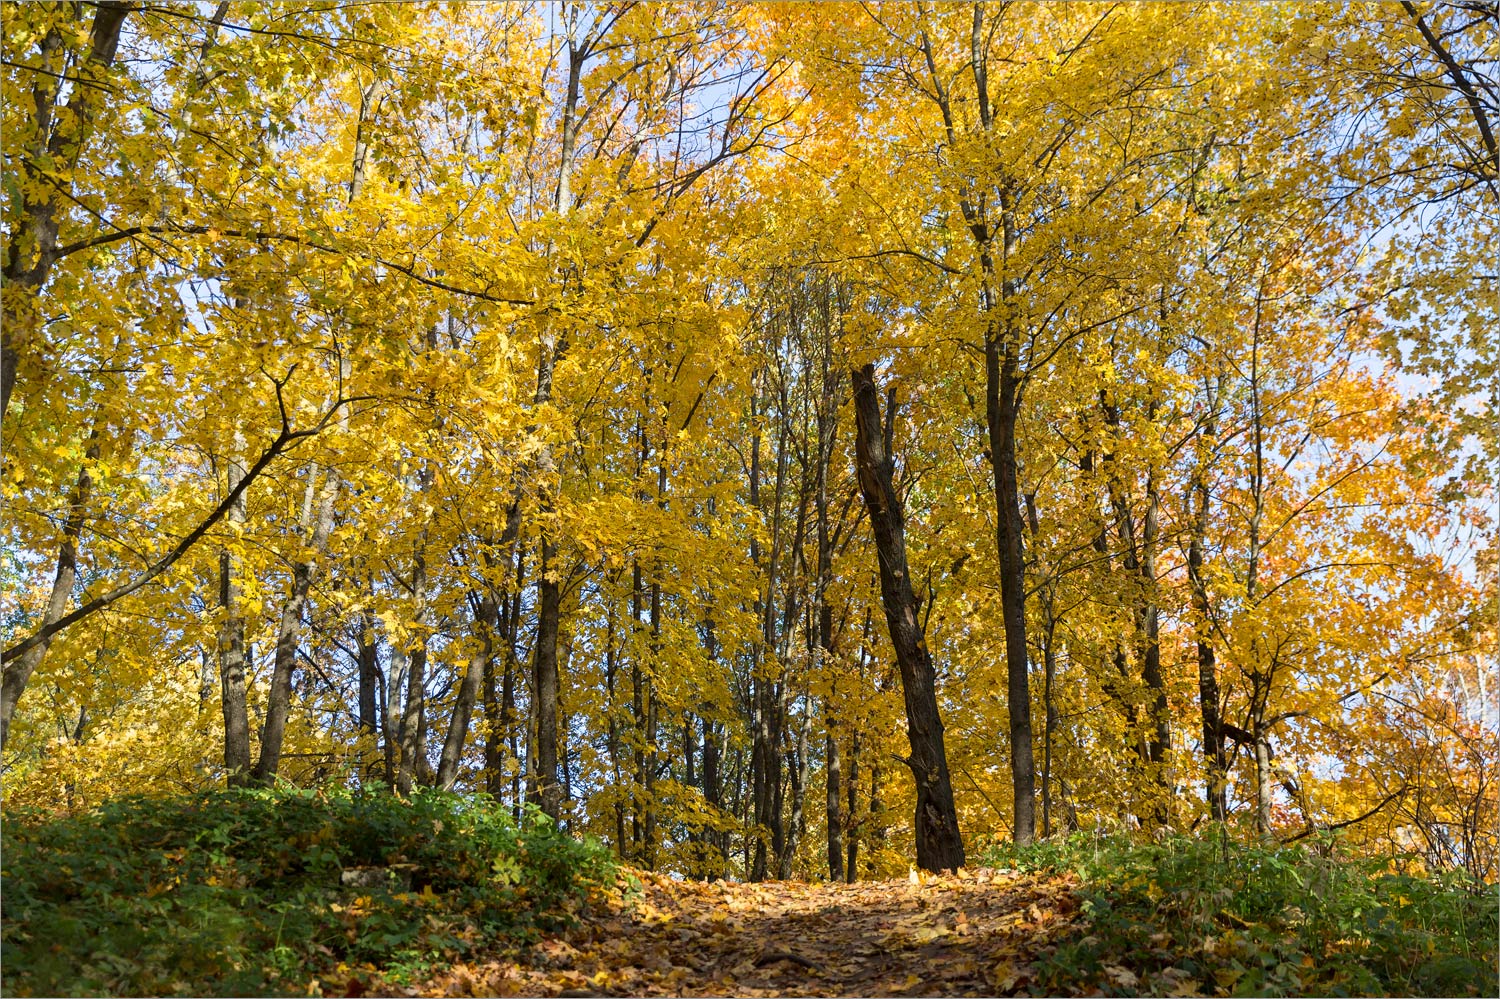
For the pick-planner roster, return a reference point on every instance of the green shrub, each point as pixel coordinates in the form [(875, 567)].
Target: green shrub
[(241, 892), (1245, 919)]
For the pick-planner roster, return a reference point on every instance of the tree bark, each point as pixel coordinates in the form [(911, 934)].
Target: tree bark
[(18, 671), (231, 649), (545, 681), (1047, 605), (1153, 734), (1002, 390), (651, 755), (797, 778), (939, 843), (317, 523), (766, 715), (369, 673), (1208, 681), (413, 727), (1002, 405), (851, 859), (480, 664)]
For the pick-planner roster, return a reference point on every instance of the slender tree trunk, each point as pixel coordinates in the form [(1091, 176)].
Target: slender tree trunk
[(1002, 368), (1260, 679), (414, 716), (1049, 700), (231, 648), (638, 695), (1208, 680), (797, 777), (1012, 593), (766, 760), (395, 686), (939, 843), (65, 576), (876, 818), (851, 867), (1264, 781), (513, 730), (368, 636), (652, 752), (549, 600), (851, 862), (412, 766), (494, 732), (1046, 604), (369, 672), (833, 771), (1151, 671), (612, 740), (545, 681), (1153, 733), (822, 610), (500, 694), (712, 793), (317, 523), (485, 628)]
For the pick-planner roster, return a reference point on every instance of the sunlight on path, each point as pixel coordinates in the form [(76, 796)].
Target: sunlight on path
[(971, 934)]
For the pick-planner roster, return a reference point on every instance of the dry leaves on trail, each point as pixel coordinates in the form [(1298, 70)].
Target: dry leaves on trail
[(974, 933)]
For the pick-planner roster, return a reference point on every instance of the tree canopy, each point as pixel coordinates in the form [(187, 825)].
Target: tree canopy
[(777, 440)]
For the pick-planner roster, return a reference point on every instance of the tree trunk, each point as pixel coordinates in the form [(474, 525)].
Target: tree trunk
[(1153, 734), (638, 696), (412, 757), (712, 793), (1047, 604), (797, 777), (395, 687), (545, 681), (833, 800), (939, 843), (648, 824), (368, 635), (851, 861), (231, 648), (549, 600), (1215, 763), (1002, 405), (18, 672), (480, 664), (1264, 783), (822, 609), (317, 523), (1151, 672), (369, 672), (766, 718)]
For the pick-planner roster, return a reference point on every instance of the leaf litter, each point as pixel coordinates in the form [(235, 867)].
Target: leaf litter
[(973, 933)]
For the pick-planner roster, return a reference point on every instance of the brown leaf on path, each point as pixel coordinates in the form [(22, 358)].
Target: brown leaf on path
[(972, 933)]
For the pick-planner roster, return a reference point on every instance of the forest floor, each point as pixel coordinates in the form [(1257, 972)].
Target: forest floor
[(971, 934), (244, 892)]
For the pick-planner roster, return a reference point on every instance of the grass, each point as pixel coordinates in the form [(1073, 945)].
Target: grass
[(1216, 917), (242, 893)]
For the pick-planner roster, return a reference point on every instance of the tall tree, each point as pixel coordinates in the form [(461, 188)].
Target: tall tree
[(939, 843)]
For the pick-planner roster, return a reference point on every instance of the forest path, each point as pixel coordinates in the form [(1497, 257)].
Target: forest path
[(954, 935)]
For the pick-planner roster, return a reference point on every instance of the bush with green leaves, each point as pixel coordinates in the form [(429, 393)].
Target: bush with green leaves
[(244, 891), (1246, 919)]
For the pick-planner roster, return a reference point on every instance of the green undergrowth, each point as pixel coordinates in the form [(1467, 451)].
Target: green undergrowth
[(1216, 917), (244, 892)]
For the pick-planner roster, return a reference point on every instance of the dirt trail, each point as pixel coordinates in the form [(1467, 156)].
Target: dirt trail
[(970, 934)]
